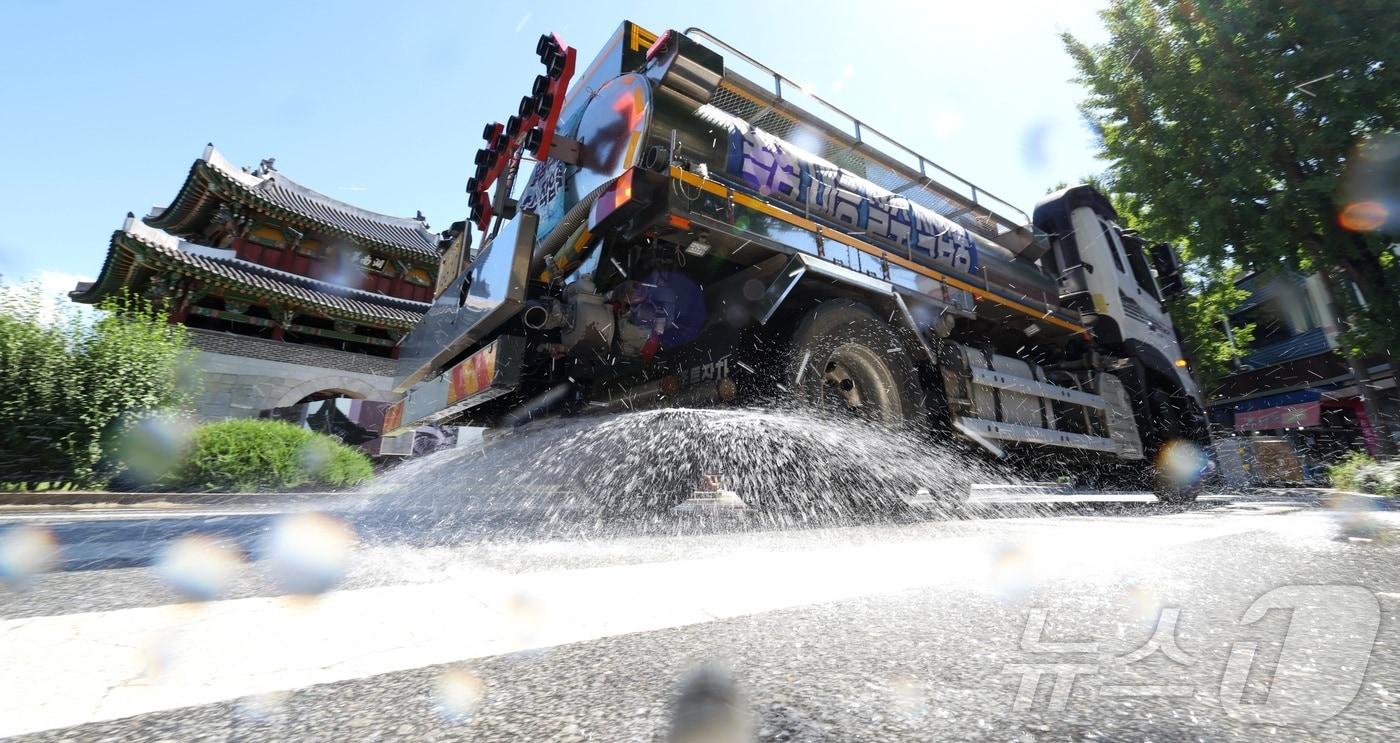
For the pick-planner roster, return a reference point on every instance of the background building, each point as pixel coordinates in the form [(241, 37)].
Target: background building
[(457, 252), (1293, 387), (290, 296)]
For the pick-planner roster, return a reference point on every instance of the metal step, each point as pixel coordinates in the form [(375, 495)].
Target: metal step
[(1033, 435), (1000, 380)]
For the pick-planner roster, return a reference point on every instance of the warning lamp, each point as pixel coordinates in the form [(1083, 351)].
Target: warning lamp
[(533, 139), (542, 46), (493, 132), (556, 66), (540, 87), (527, 107), (1181, 363), (659, 45), (544, 104)]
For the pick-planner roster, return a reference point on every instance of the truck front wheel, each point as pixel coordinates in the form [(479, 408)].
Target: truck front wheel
[(1179, 454), (846, 362)]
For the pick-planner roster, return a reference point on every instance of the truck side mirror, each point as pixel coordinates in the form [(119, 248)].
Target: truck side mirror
[(1168, 270)]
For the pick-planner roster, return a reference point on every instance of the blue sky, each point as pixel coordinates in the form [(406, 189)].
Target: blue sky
[(105, 105)]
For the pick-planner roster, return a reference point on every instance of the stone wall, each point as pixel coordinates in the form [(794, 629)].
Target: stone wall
[(260, 348), (243, 375)]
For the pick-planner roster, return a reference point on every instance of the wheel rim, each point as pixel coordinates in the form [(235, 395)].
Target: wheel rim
[(857, 382)]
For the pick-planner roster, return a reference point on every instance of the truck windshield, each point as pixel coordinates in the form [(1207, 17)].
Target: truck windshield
[(1110, 236), (1142, 272)]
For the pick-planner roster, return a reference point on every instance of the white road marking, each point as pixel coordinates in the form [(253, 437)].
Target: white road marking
[(66, 670)]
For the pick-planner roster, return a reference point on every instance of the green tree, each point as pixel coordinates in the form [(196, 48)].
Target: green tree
[(73, 382), (1230, 125), (1199, 315)]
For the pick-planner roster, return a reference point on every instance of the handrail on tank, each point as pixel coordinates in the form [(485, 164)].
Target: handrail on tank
[(859, 127)]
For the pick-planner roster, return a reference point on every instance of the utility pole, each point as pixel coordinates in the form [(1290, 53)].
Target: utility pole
[(1360, 376)]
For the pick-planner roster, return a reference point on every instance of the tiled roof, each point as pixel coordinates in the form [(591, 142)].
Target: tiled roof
[(1266, 286), (229, 258), (1305, 344), (139, 243), (406, 233), (276, 192)]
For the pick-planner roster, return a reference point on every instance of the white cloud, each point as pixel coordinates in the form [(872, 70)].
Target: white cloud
[(523, 20), (60, 282), (51, 289)]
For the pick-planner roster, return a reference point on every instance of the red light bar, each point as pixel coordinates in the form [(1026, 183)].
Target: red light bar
[(531, 130), (556, 93)]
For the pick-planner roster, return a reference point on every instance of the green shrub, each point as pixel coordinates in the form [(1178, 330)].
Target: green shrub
[(1380, 478), (251, 454), (1363, 474), (1343, 474), (73, 382)]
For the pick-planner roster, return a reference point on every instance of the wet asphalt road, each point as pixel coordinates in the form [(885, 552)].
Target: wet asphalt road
[(924, 629)]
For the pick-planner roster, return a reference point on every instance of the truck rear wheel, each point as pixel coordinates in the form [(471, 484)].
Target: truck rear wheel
[(846, 362)]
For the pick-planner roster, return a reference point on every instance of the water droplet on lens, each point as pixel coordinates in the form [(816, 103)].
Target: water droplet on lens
[(908, 697), (26, 551), (261, 707), (1011, 574), (308, 553), (199, 567), (1181, 464), (459, 694), (154, 445), (709, 708)]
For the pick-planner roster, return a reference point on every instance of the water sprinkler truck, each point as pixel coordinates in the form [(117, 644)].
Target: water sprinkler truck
[(698, 230)]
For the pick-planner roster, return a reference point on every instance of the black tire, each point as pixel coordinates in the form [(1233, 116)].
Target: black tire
[(1179, 421), (845, 361), (1171, 493)]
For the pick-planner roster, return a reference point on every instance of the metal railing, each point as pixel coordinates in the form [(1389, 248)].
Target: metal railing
[(910, 174)]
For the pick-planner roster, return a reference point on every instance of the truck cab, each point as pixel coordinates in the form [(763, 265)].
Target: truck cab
[(1119, 284)]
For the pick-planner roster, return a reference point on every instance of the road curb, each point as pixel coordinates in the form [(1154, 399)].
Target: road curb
[(102, 498)]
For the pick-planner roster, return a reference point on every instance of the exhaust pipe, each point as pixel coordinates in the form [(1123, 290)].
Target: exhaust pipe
[(534, 317), (542, 316)]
